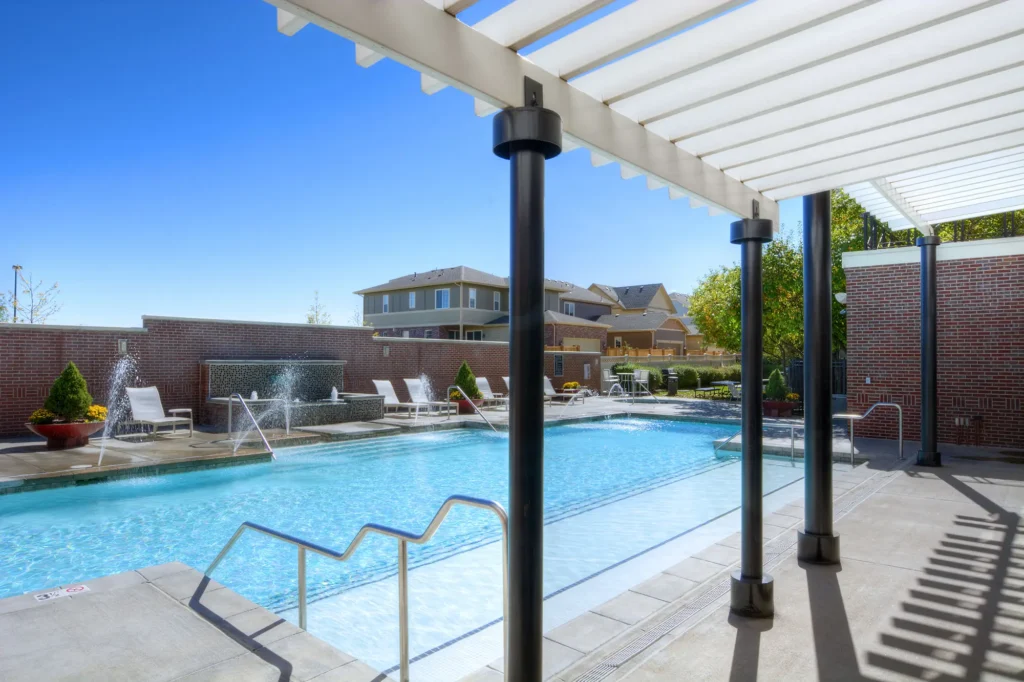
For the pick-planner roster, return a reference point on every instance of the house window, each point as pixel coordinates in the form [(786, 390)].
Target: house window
[(387, 303), (618, 342), (559, 366), (441, 298), (453, 334), (570, 308), (475, 335), (412, 300), (472, 297), (497, 300), (428, 333), (586, 372)]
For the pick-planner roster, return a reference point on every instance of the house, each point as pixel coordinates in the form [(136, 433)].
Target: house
[(465, 303), (647, 316)]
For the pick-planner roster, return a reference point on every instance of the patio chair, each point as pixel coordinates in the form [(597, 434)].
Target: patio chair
[(642, 381), (490, 396), (419, 397), (384, 388), (612, 382), (735, 392), (551, 394), (148, 410), (547, 398)]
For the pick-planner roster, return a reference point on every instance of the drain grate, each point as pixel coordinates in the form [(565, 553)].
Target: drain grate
[(774, 552)]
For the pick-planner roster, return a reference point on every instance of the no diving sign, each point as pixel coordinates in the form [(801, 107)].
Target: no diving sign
[(62, 592)]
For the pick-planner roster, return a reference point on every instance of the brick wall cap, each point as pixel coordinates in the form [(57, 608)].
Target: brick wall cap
[(983, 248), (306, 325), (21, 326)]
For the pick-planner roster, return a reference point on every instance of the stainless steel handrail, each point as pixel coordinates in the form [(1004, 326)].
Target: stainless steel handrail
[(792, 441), (255, 423), (448, 391), (858, 417), (725, 442), (403, 538)]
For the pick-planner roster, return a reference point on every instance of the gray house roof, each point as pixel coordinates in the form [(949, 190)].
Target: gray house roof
[(681, 302), (459, 273), (636, 295), (551, 317), (644, 322), (578, 293)]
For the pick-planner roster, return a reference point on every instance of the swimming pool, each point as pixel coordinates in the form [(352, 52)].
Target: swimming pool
[(613, 489)]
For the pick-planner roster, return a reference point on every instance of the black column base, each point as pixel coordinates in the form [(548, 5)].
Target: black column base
[(817, 549), (929, 459), (752, 597)]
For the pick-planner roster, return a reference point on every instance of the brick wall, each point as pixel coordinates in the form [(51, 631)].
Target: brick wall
[(554, 334), (169, 353), (981, 345)]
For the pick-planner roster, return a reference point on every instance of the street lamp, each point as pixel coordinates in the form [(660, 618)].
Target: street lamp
[(14, 303)]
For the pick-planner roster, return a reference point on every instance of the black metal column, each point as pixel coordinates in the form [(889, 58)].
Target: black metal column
[(751, 586), (817, 543), (527, 136), (929, 454)]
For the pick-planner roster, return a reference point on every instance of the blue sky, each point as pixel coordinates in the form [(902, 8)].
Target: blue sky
[(185, 159)]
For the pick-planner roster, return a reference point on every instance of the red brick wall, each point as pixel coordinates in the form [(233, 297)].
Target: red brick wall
[(170, 351), (981, 346), (555, 333)]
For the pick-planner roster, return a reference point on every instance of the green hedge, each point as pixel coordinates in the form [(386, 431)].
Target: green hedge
[(655, 381), (689, 374)]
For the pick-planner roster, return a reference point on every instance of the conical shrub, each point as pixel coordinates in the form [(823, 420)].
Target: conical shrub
[(69, 395), (776, 389), (467, 381)]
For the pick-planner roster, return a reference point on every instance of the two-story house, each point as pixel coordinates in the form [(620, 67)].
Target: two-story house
[(644, 316), (465, 303)]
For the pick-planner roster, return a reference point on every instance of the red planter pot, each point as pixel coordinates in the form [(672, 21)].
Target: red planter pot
[(778, 408), (466, 406), (64, 436)]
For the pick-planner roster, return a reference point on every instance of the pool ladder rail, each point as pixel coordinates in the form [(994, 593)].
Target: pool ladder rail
[(467, 399), (404, 538)]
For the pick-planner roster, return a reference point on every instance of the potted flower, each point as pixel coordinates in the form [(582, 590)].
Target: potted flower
[(779, 401), (68, 416), (467, 382), (570, 386)]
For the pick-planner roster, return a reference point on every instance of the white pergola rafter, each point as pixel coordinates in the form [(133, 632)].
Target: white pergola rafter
[(728, 101)]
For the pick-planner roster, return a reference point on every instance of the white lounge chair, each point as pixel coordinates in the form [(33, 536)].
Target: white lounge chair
[(490, 396), (384, 388), (735, 392), (420, 399), (551, 394), (147, 409), (508, 385)]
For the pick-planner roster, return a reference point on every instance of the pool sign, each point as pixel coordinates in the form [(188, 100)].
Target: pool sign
[(62, 592)]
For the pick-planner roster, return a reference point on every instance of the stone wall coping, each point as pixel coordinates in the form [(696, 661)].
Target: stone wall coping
[(983, 248), (304, 325), (282, 361), (21, 326)]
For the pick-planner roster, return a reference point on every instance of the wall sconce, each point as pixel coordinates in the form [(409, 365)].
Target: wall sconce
[(387, 351), (122, 346)]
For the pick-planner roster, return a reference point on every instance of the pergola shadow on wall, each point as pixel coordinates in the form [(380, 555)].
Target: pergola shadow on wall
[(917, 108)]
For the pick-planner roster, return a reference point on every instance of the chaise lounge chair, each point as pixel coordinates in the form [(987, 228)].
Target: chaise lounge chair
[(490, 396), (147, 409), (551, 394), (420, 399), (508, 385), (384, 388)]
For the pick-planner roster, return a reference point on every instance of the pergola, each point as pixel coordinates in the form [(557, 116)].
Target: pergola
[(916, 108)]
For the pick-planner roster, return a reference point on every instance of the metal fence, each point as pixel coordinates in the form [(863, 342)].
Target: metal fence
[(795, 377)]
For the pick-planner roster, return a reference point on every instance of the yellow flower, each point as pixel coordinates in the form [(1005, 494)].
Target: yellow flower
[(42, 416), (96, 413)]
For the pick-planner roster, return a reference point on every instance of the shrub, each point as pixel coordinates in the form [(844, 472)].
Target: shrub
[(96, 413), (467, 382), (42, 416), (687, 375), (570, 385), (777, 389), (69, 396), (655, 382)]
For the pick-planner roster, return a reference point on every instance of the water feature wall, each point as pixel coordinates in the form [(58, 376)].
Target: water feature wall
[(307, 380)]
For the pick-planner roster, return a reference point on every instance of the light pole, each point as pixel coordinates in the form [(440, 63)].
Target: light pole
[(14, 303)]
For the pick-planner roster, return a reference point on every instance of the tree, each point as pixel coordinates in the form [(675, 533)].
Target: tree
[(36, 302), (318, 312), (356, 318), (4, 310)]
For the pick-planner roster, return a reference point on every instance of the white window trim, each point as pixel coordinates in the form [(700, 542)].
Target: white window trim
[(387, 304), (472, 297), (569, 308), (497, 301), (412, 300), (447, 295)]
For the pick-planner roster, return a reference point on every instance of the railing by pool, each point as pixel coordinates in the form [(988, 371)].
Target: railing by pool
[(403, 538)]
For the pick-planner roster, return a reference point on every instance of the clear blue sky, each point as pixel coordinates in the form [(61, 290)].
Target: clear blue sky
[(183, 158)]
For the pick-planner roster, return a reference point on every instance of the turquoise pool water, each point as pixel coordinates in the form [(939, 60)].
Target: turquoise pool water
[(325, 493)]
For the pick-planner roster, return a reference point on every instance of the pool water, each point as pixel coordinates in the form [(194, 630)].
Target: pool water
[(324, 493)]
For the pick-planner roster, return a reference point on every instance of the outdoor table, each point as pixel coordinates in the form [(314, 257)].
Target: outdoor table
[(626, 380)]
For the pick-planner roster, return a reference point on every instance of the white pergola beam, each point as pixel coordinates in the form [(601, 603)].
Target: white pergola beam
[(523, 22), (977, 210), (431, 42), (288, 23), (365, 57), (900, 204)]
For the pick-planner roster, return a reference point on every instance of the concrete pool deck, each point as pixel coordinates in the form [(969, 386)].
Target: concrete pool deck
[(160, 623)]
